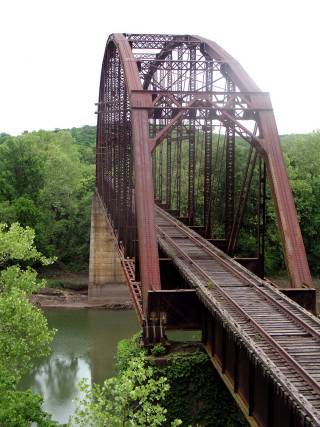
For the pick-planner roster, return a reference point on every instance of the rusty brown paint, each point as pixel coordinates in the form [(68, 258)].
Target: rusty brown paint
[(148, 250), (288, 225), (143, 103)]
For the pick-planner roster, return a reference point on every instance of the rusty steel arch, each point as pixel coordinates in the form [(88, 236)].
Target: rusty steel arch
[(118, 54), (269, 146), (138, 111)]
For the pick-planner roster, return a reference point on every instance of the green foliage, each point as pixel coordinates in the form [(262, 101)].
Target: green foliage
[(55, 283), (46, 182), (85, 137), (302, 155), (210, 285), (197, 395), (17, 243), (24, 333), (20, 408), (302, 158), (133, 398), (158, 350), (128, 349), (21, 168)]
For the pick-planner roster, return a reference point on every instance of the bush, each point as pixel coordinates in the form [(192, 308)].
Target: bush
[(158, 350)]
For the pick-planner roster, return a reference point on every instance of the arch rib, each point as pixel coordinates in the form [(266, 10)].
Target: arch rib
[(144, 197), (269, 144)]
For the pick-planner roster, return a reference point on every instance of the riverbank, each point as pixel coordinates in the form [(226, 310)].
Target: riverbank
[(70, 290), (69, 298)]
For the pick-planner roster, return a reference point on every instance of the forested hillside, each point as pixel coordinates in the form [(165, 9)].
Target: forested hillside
[(302, 154), (47, 180)]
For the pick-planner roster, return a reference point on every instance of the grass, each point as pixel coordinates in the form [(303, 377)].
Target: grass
[(55, 284)]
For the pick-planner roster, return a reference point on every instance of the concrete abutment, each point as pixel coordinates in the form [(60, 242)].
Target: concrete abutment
[(107, 282)]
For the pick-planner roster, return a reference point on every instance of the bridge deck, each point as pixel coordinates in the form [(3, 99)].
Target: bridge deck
[(283, 338)]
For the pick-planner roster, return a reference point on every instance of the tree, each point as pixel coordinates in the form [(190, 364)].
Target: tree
[(21, 168), (46, 183), (133, 398), (303, 161), (24, 333)]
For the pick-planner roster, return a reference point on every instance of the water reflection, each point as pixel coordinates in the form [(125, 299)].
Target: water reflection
[(84, 347), (57, 377)]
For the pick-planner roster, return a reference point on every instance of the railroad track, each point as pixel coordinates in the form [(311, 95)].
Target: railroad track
[(284, 336)]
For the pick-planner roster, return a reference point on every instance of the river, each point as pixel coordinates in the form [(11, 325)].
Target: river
[(84, 347)]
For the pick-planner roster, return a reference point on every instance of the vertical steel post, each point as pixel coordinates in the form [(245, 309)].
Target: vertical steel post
[(169, 152), (207, 182), (192, 139), (179, 132), (230, 154), (261, 215)]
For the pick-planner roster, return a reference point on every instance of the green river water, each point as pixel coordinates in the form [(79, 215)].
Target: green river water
[(84, 347)]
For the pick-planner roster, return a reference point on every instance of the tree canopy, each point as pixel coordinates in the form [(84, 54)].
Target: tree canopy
[(24, 333), (47, 180)]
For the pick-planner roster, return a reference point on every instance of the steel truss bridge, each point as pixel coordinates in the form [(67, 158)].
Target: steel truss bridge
[(187, 153)]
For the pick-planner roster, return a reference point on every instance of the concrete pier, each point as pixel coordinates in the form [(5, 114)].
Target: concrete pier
[(106, 278)]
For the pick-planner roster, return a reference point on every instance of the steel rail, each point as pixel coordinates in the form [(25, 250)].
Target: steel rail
[(229, 266), (305, 375)]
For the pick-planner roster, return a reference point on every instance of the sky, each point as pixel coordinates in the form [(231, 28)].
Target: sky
[(51, 53)]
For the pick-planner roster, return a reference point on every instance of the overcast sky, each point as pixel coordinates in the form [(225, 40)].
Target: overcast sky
[(51, 53)]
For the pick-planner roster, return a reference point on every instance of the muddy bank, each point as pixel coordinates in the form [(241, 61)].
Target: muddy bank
[(69, 298), (70, 290)]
